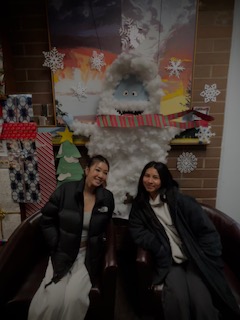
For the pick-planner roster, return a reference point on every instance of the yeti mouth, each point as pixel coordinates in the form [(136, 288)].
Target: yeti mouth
[(135, 113)]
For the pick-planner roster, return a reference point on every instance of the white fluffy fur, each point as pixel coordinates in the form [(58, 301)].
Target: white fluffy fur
[(145, 70), (128, 149)]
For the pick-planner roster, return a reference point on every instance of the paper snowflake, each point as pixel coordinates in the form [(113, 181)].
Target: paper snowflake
[(97, 61), (204, 134), (79, 91), (175, 67), (53, 59), (210, 93), (130, 33), (186, 162)]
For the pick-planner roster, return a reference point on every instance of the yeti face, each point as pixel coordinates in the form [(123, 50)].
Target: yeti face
[(132, 86), (131, 89), (130, 96)]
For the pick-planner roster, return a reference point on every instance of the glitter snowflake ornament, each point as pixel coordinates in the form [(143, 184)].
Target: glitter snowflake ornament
[(186, 162), (204, 134), (53, 59), (97, 61), (175, 67), (79, 91), (130, 33), (210, 93)]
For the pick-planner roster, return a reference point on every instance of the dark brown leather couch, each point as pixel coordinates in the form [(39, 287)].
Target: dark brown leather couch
[(23, 261), (149, 299)]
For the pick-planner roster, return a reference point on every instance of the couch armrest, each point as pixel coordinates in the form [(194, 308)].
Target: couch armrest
[(110, 259), (229, 231), (144, 268), (110, 263), (149, 296), (19, 255)]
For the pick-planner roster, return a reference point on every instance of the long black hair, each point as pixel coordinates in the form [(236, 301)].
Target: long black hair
[(167, 181), (97, 158)]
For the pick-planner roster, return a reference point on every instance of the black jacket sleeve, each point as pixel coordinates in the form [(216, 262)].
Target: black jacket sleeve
[(202, 228), (141, 233), (49, 222)]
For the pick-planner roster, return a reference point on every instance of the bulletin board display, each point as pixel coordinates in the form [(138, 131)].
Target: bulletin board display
[(89, 36)]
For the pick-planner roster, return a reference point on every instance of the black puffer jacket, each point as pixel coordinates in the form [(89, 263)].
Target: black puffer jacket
[(201, 244), (62, 223)]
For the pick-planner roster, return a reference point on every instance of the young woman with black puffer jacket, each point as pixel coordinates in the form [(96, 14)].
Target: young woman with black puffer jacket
[(185, 246), (74, 222)]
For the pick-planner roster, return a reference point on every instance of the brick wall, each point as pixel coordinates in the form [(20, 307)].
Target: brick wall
[(213, 43), (25, 36)]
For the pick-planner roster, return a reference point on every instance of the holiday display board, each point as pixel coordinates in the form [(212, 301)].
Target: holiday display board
[(129, 130), (88, 36)]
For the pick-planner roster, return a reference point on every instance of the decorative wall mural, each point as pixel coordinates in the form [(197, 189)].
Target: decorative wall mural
[(90, 35)]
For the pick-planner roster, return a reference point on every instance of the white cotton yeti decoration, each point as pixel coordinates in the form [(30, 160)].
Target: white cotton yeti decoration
[(132, 86)]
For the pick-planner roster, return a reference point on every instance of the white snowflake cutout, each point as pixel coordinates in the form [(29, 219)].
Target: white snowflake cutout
[(175, 67), (204, 134), (210, 93), (130, 33), (53, 59), (97, 61), (186, 162), (79, 91)]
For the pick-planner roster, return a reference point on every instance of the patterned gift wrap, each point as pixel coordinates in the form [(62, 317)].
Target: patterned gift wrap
[(17, 108), (23, 170), (19, 131), (46, 169), (8, 224), (10, 216)]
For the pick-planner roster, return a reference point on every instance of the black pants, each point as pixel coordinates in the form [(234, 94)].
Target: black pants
[(185, 296)]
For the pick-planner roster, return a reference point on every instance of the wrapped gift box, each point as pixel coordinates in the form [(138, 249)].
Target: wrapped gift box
[(9, 221), (10, 216)]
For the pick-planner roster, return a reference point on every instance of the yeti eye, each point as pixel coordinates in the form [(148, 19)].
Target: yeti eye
[(134, 93), (125, 93)]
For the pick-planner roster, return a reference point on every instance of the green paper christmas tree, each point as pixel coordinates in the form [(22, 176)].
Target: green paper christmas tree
[(69, 167)]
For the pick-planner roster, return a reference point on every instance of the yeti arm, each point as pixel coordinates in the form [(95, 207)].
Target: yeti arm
[(83, 128)]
